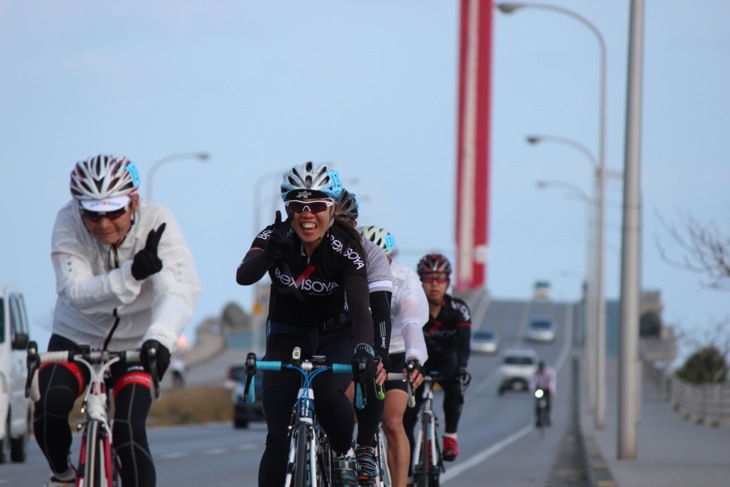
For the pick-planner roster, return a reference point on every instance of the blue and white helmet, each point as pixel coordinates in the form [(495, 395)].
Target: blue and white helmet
[(103, 176), (380, 236), (310, 181)]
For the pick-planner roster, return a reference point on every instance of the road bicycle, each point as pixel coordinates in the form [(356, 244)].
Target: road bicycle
[(428, 464), (98, 464), (543, 419), (310, 457), (381, 443)]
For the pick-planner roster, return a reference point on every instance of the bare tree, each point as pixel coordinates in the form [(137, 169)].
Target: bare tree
[(704, 249)]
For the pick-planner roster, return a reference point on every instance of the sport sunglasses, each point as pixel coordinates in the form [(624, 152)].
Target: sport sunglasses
[(315, 206), (97, 215), (434, 279)]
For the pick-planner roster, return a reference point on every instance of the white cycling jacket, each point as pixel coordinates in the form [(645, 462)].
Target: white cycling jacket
[(94, 280), (409, 312)]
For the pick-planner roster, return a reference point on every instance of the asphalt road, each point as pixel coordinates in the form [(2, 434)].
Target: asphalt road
[(499, 446)]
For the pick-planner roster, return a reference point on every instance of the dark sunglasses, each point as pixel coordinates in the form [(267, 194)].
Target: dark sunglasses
[(315, 206), (96, 215), (434, 279)]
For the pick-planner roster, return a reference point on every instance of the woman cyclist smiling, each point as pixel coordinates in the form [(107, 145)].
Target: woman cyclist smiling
[(317, 271)]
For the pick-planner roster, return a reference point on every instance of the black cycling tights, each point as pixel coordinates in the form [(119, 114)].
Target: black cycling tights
[(59, 388), (334, 410)]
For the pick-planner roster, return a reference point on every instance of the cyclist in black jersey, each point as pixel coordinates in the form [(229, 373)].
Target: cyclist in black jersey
[(447, 334), (319, 302)]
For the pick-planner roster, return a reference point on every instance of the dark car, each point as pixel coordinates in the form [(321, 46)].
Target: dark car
[(245, 412)]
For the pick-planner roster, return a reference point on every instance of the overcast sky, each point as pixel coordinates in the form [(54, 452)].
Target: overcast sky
[(370, 86)]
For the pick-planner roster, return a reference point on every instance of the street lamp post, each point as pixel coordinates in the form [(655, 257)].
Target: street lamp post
[(600, 412), (201, 156), (591, 255), (588, 294)]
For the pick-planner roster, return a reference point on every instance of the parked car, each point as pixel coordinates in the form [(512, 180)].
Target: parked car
[(484, 340), (243, 411), (15, 408), (233, 376), (540, 329), (518, 365)]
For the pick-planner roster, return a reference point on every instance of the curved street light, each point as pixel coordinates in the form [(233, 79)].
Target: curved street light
[(599, 382), (201, 156), (572, 189)]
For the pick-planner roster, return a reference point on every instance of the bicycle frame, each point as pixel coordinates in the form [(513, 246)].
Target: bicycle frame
[(428, 463), (542, 416), (310, 458), (97, 461)]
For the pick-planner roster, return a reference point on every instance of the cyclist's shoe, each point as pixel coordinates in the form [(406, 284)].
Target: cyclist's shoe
[(345, 471), (367, 467), (60, 483), (451, 449), (65, 479)]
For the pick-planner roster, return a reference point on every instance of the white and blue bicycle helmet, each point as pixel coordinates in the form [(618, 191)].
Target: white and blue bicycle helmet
[(310, 180), (380, 237), (103, 176)]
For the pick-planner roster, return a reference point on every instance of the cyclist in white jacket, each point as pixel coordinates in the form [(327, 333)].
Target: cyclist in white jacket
[(409, 312), (125, 279)]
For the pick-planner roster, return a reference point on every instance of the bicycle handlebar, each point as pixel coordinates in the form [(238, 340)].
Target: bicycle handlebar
[(86, 356), (306, 367)]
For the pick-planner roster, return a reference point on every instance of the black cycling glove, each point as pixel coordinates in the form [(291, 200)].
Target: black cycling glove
[(146, 262), (161, 357), (279, 242), (464, 378), (382, 355), (363, 363)]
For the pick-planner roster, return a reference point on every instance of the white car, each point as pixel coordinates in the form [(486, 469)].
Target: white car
[(540, 329), (516, 369), (15, 408), (484, 340)]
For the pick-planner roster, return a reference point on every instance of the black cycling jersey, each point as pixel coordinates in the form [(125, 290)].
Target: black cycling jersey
[(329, 281), (448, 335)]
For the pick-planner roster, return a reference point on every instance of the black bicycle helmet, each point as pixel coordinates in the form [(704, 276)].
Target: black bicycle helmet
[(433, 263)]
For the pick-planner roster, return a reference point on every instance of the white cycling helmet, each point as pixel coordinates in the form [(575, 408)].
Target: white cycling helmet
[(380, 236), (102, 177), (348, 206), (310, 181)]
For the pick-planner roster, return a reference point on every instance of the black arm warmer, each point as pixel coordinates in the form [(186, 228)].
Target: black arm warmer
[(380, 309), (463, 338), (253, 267), (356, 288)]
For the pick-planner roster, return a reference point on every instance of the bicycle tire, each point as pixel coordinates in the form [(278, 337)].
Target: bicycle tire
[(93, 456), (384, 479), (422, 467), (324, 459), (301, 472)]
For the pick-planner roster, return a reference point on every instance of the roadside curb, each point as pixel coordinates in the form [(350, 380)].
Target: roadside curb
[(597, 471)]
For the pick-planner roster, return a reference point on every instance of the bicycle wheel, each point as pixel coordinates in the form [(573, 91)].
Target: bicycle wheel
[(324, 459), (301, 457), (382, 457), (420, 471), (96, 457)]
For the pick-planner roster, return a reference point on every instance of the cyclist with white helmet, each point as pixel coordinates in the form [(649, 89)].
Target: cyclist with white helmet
[(447, 334), (380, 285), (318, 269), (409, 311), (125, 279)]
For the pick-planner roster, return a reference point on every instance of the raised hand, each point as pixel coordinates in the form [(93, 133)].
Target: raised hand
[(279, 242), (146, 262)]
